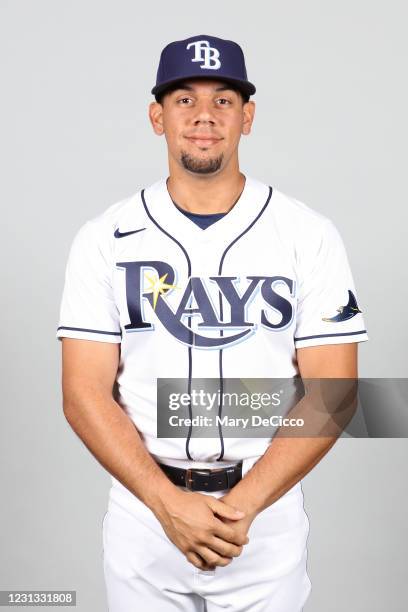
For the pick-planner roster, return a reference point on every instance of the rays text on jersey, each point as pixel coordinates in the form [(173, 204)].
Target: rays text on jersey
[(150, 282)]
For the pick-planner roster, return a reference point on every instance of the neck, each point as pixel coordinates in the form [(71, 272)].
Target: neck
[(205, 194)]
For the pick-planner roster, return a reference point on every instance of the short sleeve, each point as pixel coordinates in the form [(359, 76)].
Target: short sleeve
[(88, 310), (328, 311)]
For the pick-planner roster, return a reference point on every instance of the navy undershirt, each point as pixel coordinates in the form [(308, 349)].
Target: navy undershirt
[(202, 221)]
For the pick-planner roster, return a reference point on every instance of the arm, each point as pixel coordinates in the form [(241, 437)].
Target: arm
[(289, 459), (88, 375)]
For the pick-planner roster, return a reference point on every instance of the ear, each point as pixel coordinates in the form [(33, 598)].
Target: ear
[(156, 117), (249, 114)]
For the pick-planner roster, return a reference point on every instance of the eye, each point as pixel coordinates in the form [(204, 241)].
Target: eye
[(224, 100), (182, 100)]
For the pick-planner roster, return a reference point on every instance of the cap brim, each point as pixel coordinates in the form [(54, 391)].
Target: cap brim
[(245, 86)]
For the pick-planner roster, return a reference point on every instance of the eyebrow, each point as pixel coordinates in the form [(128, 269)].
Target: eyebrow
[(184, 86)]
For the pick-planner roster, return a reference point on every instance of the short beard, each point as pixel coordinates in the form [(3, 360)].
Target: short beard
[(201, 166)]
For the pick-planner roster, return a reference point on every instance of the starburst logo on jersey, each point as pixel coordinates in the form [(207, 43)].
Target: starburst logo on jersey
[(348, 311), (158, 286), (149, 284)]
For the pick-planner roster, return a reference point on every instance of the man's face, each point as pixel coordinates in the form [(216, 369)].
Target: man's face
[(202, 121)]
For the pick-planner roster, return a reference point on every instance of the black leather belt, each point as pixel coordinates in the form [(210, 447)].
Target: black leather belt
[(197, 479)]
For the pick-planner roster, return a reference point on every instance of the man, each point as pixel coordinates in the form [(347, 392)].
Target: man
[(206, 274)]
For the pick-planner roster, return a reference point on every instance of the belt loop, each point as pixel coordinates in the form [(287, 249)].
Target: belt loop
[(233, 470), (229, 471)]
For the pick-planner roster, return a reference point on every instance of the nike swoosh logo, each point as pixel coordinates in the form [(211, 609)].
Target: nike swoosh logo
[(119, 234)]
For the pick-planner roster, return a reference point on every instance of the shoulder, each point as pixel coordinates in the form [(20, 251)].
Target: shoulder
[(99, 230), (301, 225), (296, 213), (284, 208), (300, 230), (120, 213)]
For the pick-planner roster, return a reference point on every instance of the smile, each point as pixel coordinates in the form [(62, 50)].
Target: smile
[(204, 142)]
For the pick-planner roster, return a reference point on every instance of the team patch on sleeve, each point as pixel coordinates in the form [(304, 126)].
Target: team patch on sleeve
[(348, 311), (327, 307)]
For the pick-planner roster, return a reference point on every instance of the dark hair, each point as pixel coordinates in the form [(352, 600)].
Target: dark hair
[(159, 97)]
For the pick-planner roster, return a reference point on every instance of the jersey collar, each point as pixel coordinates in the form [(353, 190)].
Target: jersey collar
[(162, 211)]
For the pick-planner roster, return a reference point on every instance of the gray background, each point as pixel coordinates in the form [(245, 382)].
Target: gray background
[(330, 129)]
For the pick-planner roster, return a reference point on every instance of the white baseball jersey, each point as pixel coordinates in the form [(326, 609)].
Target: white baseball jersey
[(233, 300)]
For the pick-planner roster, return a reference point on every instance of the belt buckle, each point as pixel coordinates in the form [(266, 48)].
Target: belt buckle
[(189, 479), (207, 471)]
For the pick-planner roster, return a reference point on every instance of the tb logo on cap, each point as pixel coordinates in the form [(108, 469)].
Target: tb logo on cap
[(205, 53)]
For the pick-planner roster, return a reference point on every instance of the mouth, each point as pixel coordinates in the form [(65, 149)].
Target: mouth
[(203, 141)]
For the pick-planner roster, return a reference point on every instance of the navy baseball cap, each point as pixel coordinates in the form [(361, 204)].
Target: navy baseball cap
[(202, 56)]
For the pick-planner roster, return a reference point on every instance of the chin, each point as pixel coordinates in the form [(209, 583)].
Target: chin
[(197, 165)]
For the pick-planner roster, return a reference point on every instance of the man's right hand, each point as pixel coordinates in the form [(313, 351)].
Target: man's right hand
[(191, 521)]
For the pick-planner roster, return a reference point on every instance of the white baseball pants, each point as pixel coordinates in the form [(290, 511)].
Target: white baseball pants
[(144, 570)]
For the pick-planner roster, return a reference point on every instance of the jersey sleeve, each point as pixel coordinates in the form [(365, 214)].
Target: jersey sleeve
[(328, 311), (88, 310)]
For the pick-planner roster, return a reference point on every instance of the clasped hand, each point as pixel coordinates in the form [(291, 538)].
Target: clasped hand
[(210, 532)]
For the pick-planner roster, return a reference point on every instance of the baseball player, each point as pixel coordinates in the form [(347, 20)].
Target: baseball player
[(207, 273)]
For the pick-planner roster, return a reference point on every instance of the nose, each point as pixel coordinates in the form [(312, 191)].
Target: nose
[(203, 112)]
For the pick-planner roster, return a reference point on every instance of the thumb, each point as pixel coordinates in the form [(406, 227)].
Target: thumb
[(225, 510)]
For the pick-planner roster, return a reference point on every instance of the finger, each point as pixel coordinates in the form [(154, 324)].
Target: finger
[(225, 510), (225, 549), (229, 534), (196, 560), (211, 557)]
